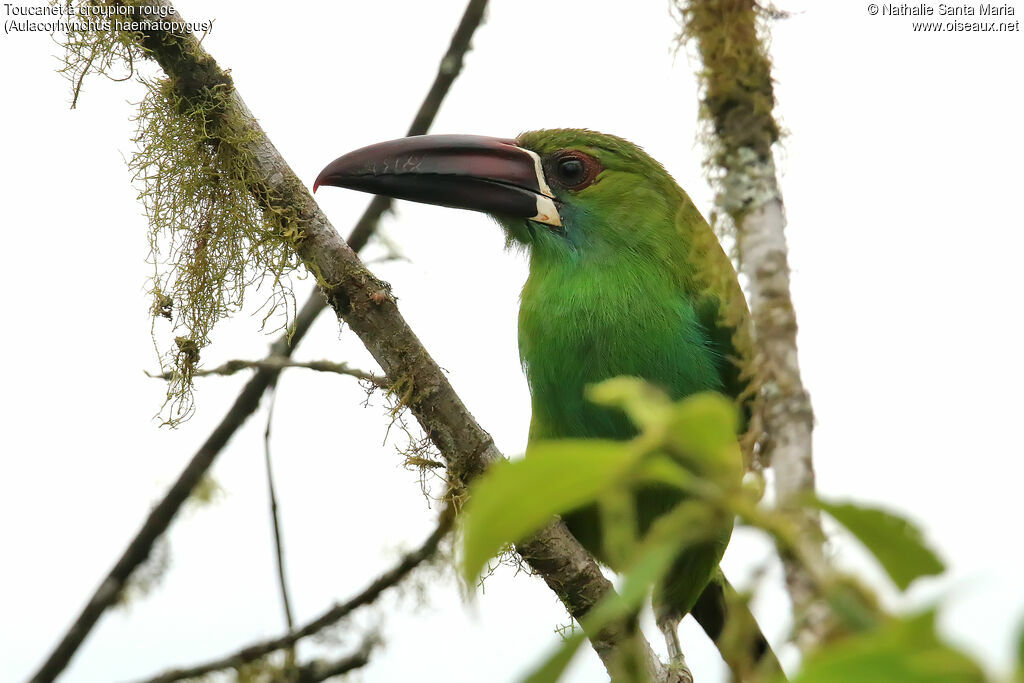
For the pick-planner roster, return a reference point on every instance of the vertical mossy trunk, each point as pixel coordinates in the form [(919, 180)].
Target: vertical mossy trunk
[(737, 106)]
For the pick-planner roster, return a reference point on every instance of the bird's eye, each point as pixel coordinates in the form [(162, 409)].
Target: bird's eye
[(573, 170), (570, 170)]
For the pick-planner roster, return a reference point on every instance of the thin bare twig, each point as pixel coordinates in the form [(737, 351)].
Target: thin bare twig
[(278, 545), (447, 72), (247, 401), (336, 613), (278, 363), (162, 514)]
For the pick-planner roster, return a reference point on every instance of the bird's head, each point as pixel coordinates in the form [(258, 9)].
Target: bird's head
[(563, 191)]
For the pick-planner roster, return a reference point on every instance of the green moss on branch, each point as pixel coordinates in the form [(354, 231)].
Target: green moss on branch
[(215, 230)]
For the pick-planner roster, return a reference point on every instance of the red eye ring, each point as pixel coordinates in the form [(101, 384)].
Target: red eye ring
[(573, 170)]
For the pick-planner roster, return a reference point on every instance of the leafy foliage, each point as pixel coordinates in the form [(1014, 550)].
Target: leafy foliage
[(692, 445), (680, 444), (895, 542), (906, 650), (1020, 655), (651, 563), (517, 498)]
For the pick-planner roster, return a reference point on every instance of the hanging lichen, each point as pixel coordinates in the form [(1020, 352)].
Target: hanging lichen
[(94, 47), (210, 239)]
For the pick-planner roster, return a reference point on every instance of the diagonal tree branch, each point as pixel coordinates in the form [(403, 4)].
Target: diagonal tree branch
[(363, 302), (248, 399), (573, 575), (368, 308)]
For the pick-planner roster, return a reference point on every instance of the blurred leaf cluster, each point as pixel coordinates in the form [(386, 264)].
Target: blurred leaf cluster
[(692, 445)]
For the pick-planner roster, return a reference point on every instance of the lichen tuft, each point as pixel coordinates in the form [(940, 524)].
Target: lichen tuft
[(209, 239)]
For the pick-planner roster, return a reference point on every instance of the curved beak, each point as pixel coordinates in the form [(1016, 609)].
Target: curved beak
[(493, 175)]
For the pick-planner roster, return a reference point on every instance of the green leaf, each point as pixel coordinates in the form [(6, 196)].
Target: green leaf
[(1020, 655), (895, 542), (905, 650), (514, 499), (552, 668), (618, 525), (662, 469), (645, 405), (702, 432), (687, 523), (705, 423)]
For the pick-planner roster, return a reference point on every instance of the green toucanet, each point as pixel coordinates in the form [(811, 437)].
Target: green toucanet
[(626, 278)]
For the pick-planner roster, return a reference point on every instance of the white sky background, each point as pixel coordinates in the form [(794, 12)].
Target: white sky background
[(902, 179)]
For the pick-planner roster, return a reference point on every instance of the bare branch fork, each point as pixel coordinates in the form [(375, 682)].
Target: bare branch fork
[(365, 304), (333, 615)]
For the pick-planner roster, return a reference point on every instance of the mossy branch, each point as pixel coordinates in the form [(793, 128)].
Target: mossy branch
[(365, 304), (737, 105), (362, 301), (106, 52), (211, 239)]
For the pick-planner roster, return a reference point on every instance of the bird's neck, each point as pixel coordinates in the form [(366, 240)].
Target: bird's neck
[(586, 319)]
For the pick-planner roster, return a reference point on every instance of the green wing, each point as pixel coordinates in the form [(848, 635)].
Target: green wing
[(712, 285)]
